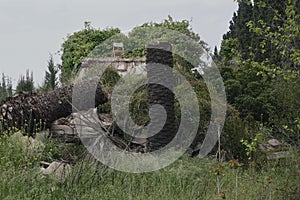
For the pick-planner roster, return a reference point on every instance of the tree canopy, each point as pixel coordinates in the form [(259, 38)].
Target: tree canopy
[(260, 63), (78, 45)]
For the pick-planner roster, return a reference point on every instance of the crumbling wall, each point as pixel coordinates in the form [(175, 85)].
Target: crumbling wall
[(122, 65)]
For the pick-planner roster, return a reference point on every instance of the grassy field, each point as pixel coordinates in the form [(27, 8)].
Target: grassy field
[(187, 178)]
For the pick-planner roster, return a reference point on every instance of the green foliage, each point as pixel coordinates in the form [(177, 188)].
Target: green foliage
[(186, 44), (55, 150), (279, 41), (238, 39), (138, 106), (216, 57), (137, 102), (268, 39), (287, 110), (78, 46), (185, 179), (259, 61), (135, 53), (19, 152), (262, 75), (51, 79), (5, 87), (110, 78), (25, 84), (229, 52), (251, 147), (234, 130), (247, 92)]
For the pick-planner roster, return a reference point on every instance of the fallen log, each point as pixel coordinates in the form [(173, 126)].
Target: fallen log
[(32, 112)]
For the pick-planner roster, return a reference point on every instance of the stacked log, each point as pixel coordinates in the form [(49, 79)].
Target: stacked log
[(34, 111)]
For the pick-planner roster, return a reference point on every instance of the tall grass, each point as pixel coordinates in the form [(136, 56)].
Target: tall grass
[(187, 178)]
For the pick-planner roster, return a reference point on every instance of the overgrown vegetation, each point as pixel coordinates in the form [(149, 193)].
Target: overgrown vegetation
[(77, 47), (260, 67), (259, 63), (187, 178)]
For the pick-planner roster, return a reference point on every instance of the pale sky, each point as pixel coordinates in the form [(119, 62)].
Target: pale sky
[(31, 30)]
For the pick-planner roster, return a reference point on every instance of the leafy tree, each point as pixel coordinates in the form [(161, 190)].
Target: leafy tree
[(229, 53), (185, 43), (279, 62), (261, 75), (188, 45), (280, 40), (78, 45), (25, 84)]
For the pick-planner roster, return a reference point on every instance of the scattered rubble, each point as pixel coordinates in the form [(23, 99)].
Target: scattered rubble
[(58, 170), (274, 149)]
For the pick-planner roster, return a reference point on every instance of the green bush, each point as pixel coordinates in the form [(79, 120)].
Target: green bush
[(20, 151)]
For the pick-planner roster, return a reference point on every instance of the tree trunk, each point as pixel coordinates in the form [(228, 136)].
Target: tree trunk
[(157, 55), (33, 112)]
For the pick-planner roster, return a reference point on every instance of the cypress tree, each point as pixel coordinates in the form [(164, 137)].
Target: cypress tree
[(25, 84), (51, 76), (239, 30), (243, 34)]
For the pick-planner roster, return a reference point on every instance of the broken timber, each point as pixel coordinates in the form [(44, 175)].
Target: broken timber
[(31, 112)]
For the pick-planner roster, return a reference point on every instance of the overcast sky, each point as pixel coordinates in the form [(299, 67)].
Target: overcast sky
[(33, 29)]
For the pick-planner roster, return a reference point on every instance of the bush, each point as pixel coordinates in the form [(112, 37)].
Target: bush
[(20, 151)]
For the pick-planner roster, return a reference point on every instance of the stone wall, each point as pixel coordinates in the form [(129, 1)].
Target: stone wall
[(122, 65)]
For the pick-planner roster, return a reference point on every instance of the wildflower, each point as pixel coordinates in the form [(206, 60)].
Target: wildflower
[(223, 194), (218, 170), (269, 179), (235, 164)]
